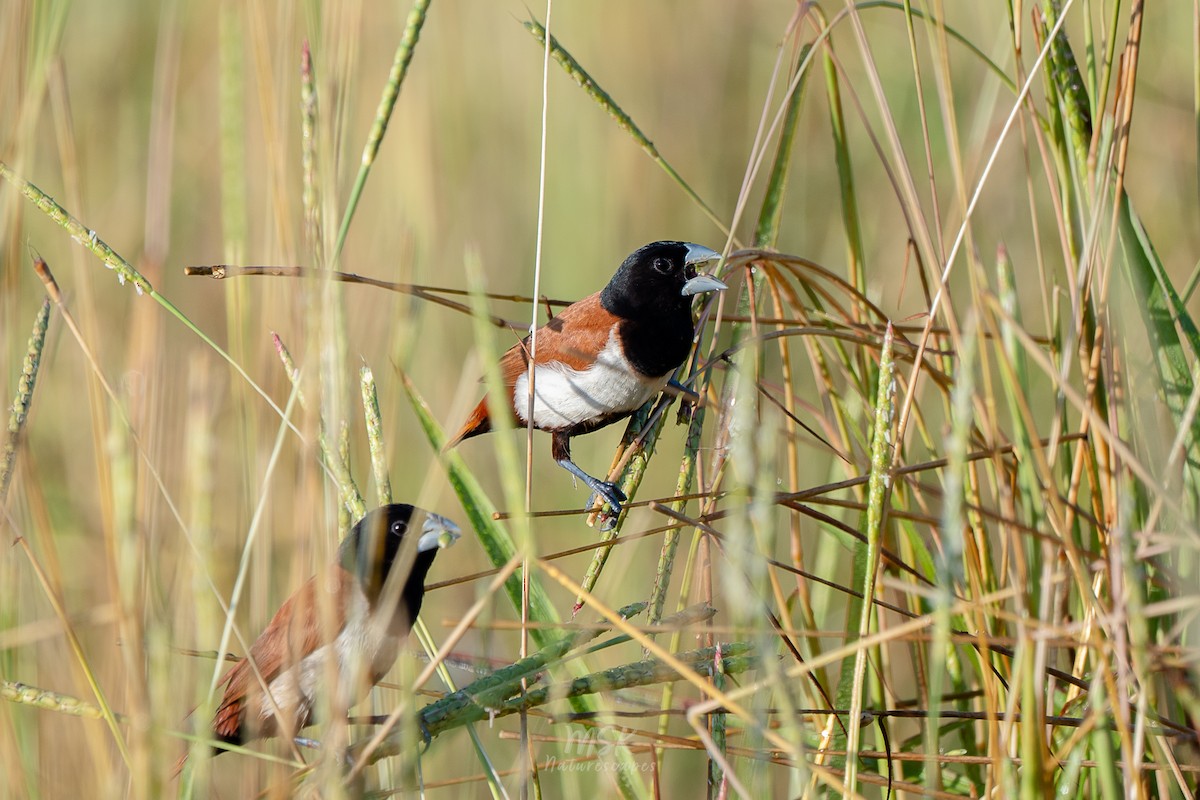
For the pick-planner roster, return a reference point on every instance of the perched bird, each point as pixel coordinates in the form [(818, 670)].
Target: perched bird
[(601, 358), (375, 587)]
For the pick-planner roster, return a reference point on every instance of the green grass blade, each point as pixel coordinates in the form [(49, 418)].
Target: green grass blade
[(492, 536), (383, 114), (1014, 376), (881, 447), (716, 775), (623, 120), (767, 231), (1165, 316), (509, 462), (855, 251)]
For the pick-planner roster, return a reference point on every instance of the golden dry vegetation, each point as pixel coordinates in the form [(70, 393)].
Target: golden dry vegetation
[(1011, 474)]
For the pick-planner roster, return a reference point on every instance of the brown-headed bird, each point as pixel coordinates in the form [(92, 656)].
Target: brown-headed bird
[(601, 358), (375, 587)]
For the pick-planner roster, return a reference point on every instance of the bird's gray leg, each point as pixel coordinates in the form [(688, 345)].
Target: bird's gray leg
[(560, 448)]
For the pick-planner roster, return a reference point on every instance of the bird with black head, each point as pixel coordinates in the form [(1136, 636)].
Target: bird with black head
[(601, 358), (373, 591)]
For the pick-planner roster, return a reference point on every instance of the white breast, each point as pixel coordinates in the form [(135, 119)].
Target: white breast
[(364, 649), (565, 397)]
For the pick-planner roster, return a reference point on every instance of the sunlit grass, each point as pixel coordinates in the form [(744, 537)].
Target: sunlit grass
[(931, 525)]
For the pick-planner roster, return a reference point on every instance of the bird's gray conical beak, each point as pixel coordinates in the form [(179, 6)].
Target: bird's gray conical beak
[(699, 254), (437, 532), (703, 283)]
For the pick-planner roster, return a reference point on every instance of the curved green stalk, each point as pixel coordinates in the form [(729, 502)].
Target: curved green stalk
[(383, 114)]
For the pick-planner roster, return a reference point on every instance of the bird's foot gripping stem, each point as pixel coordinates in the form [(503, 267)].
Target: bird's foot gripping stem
[(611, 493)]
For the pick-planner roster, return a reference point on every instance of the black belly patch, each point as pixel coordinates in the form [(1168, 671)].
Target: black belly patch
[(594, 424)]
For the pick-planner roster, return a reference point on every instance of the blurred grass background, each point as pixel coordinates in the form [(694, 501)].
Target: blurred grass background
[(173, 131)]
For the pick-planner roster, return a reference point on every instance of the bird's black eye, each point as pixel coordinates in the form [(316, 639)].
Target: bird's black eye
[(663, 265), (399, 528)]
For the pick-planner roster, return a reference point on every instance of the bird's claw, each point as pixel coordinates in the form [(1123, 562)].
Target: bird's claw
[(611, 494), (611, 490), (605, 520)]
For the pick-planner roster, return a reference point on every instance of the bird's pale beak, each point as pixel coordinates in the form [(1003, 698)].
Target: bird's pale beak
[(437, 532), (699, 254), (703, 283)]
